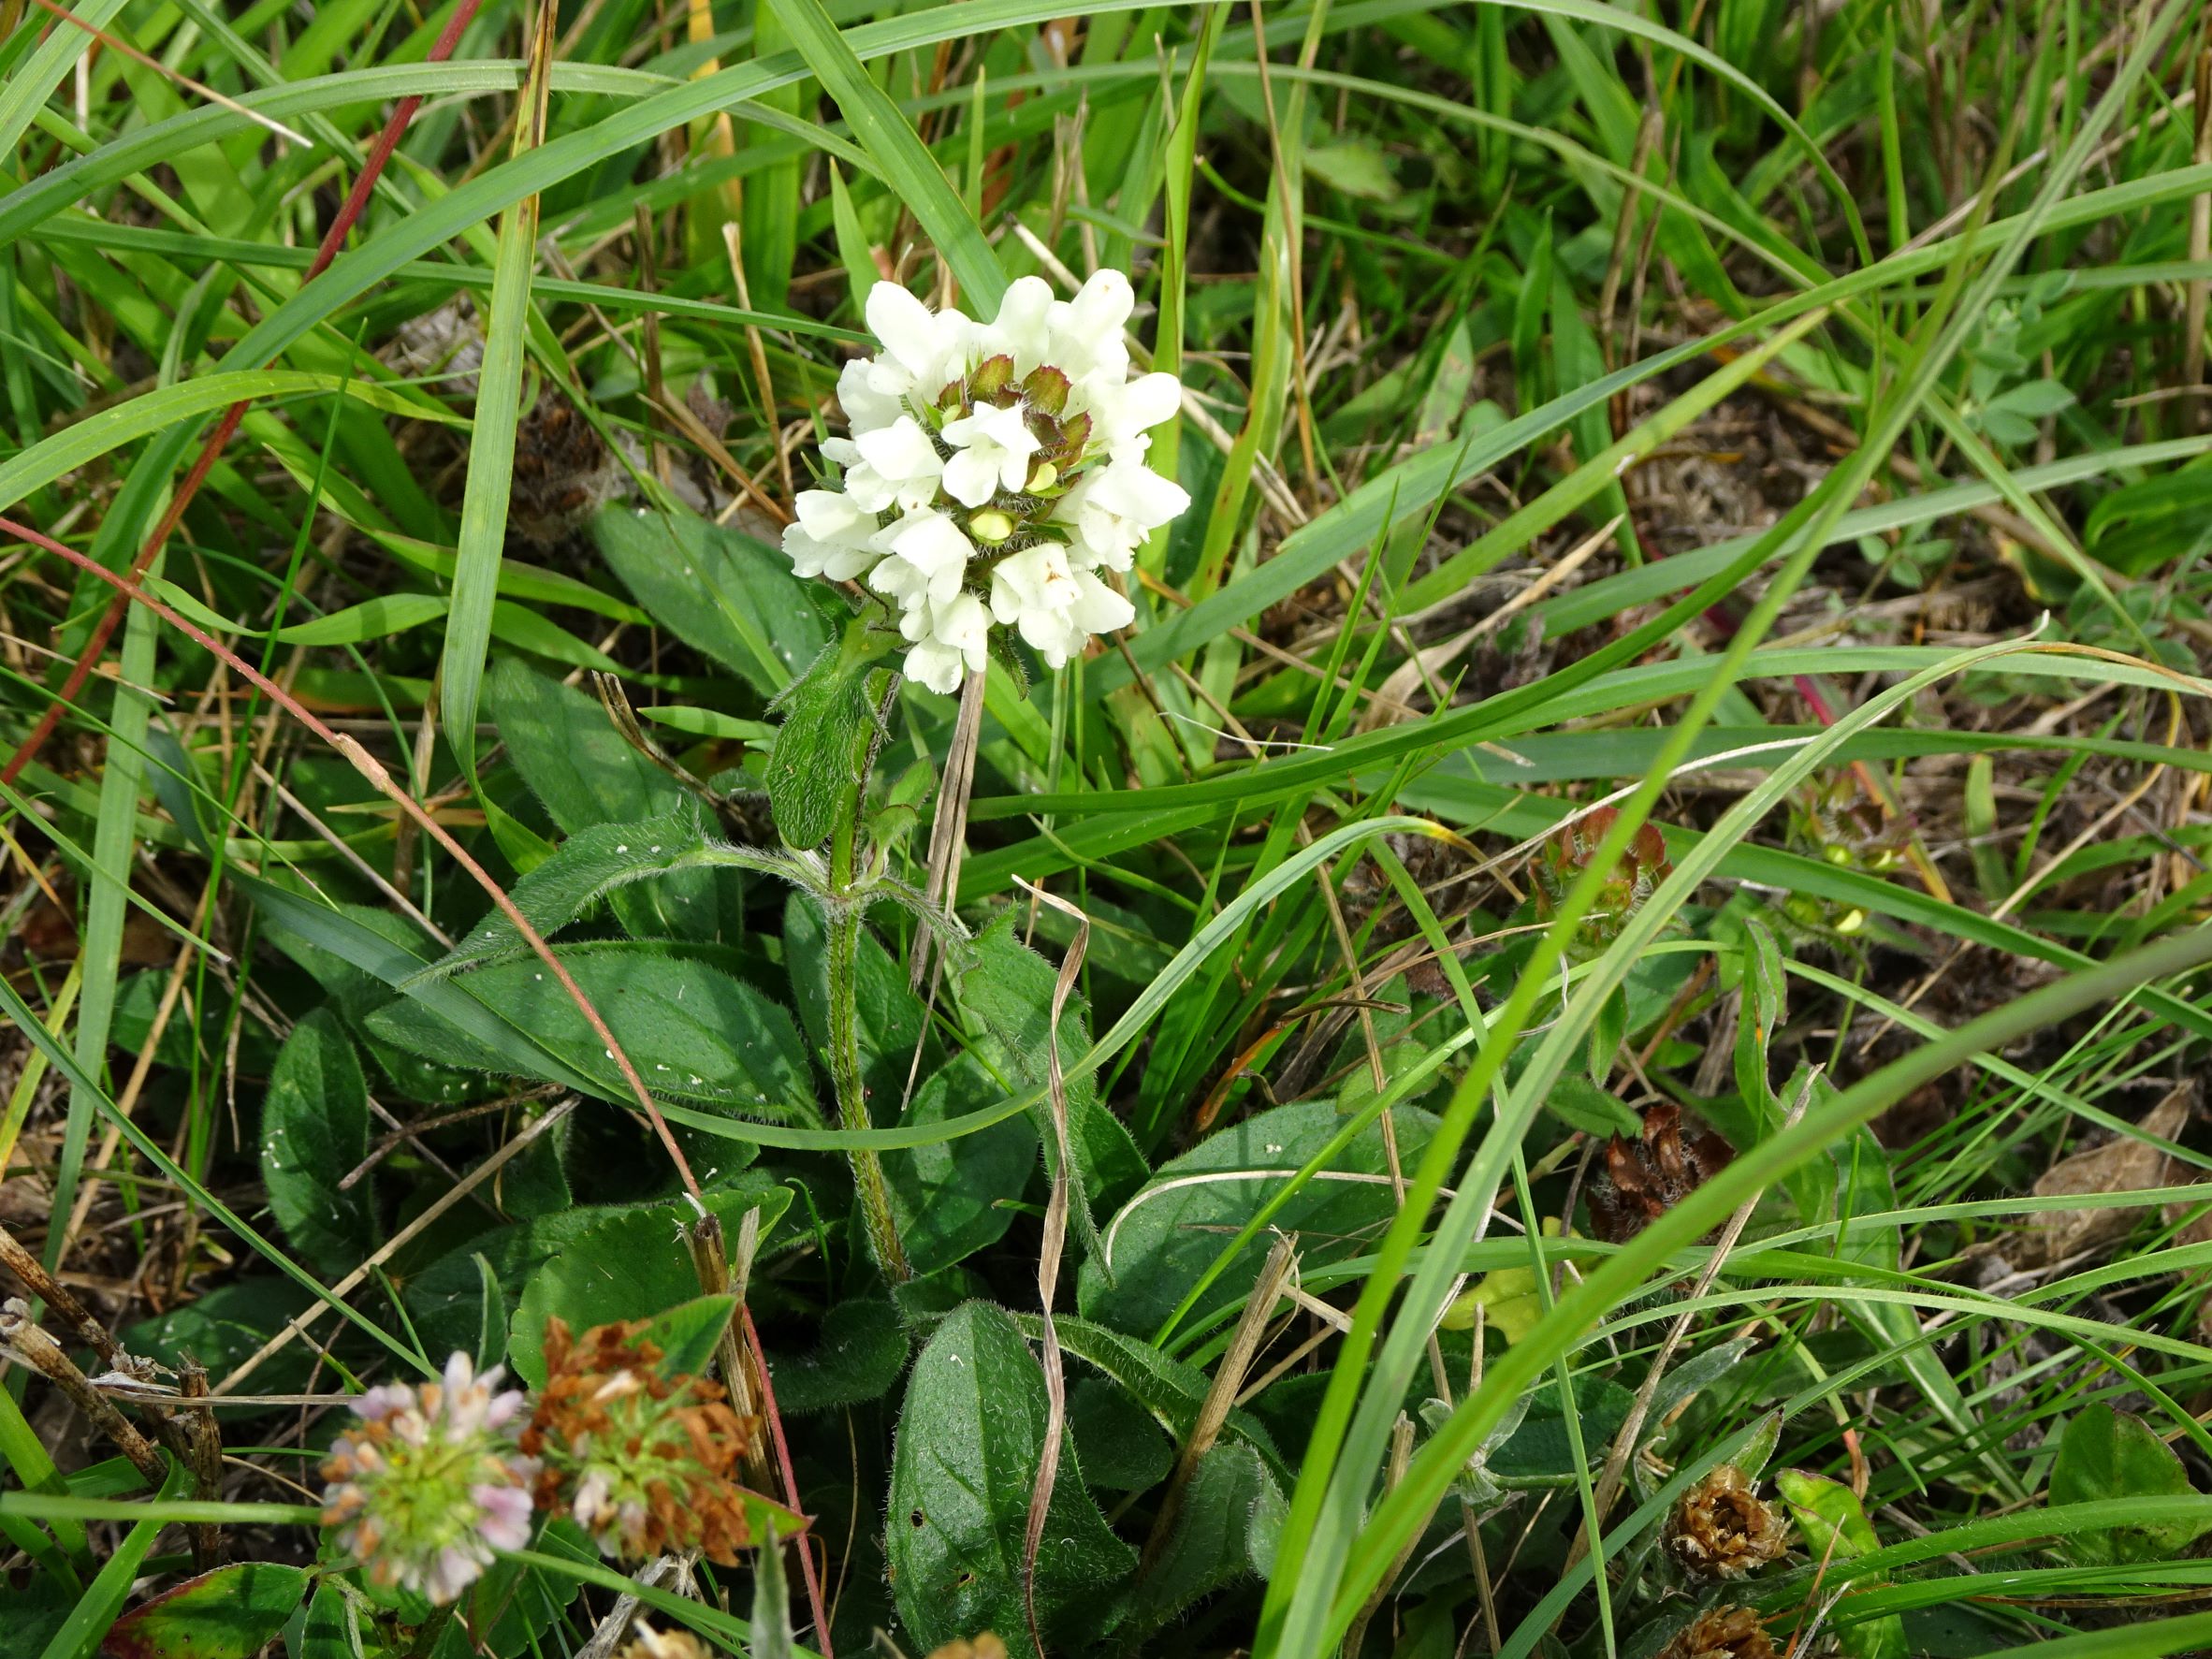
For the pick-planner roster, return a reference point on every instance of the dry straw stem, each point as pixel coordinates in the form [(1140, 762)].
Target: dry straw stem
[(1049, 1251), (27, 1342), (1228, 1379)]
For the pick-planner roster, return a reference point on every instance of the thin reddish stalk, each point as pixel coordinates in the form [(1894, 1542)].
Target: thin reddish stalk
[(370, 767), (104, 630), (791, 1481)]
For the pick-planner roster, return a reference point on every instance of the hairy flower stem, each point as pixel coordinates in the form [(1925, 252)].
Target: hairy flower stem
[(841, 912), (842, 922)]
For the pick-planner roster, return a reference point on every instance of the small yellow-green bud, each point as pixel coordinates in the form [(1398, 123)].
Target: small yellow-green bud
[(990, 527), (1045, 476)]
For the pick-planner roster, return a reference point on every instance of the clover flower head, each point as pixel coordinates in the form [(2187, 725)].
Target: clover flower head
[(427, 1484), (993, 470), (644, 1460)]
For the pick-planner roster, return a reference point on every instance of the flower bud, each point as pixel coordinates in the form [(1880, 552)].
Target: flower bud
[(990, 527)]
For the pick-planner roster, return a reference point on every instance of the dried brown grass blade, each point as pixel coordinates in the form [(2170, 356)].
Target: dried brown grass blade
[(1049, 1252)]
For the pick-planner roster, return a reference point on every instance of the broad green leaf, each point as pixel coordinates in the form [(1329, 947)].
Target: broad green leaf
[(629, 1264), (1765, 1007), (2114, 1455), (1232, 1512), (1171, 1390), (957, 1196), (694, 1033), (1580, 1105), (445, 1300), (314, 1132), (587, 775), (224, 1326), (516, 1602), (688, 1333), (333, 1629), (491, 1326), (719, 591), (590, 866), (963, 1465), (1006, 991), (570, 754), (861, 1350), (821, 751), (1837, 1529), (1161, 1241), (230, 1613), (1123, 1446)]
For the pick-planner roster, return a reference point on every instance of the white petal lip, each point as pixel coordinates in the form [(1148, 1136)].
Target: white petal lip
[(831, 515), (907, 327), (1149, 400), (932, 543), (971, 477), (936, 667), (988, 424), (900, 450)]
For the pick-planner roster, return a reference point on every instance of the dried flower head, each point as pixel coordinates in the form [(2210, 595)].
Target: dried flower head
[(1567, 851), (1643, 1179), (1722, 1530), (427, 1486), (642, 1460), (1721, 1632), (993, 470)]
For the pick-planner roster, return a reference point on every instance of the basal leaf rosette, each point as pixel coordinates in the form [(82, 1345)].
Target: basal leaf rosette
[(992, 472), (427, 1484)]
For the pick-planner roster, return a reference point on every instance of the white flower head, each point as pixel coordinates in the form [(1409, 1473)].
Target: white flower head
[(426, 1485), (993, 470)]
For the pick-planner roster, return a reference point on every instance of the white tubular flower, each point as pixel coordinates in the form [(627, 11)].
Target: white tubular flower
[(993, 470), (949, 641)]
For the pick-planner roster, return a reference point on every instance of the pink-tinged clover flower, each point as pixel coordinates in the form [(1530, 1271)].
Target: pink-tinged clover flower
[(427, 1484), (992, 472)]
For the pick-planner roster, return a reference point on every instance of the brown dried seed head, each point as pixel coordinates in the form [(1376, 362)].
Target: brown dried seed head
[(644, 1461), (1721, 1632), (1721, 1529), (1644, 1178)]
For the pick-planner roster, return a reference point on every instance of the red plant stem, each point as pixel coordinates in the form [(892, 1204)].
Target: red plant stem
[(791, 1481), (370, 767), (104, 630)]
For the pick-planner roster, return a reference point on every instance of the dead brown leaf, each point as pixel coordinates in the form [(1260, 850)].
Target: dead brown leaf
[(2125, 1164)]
